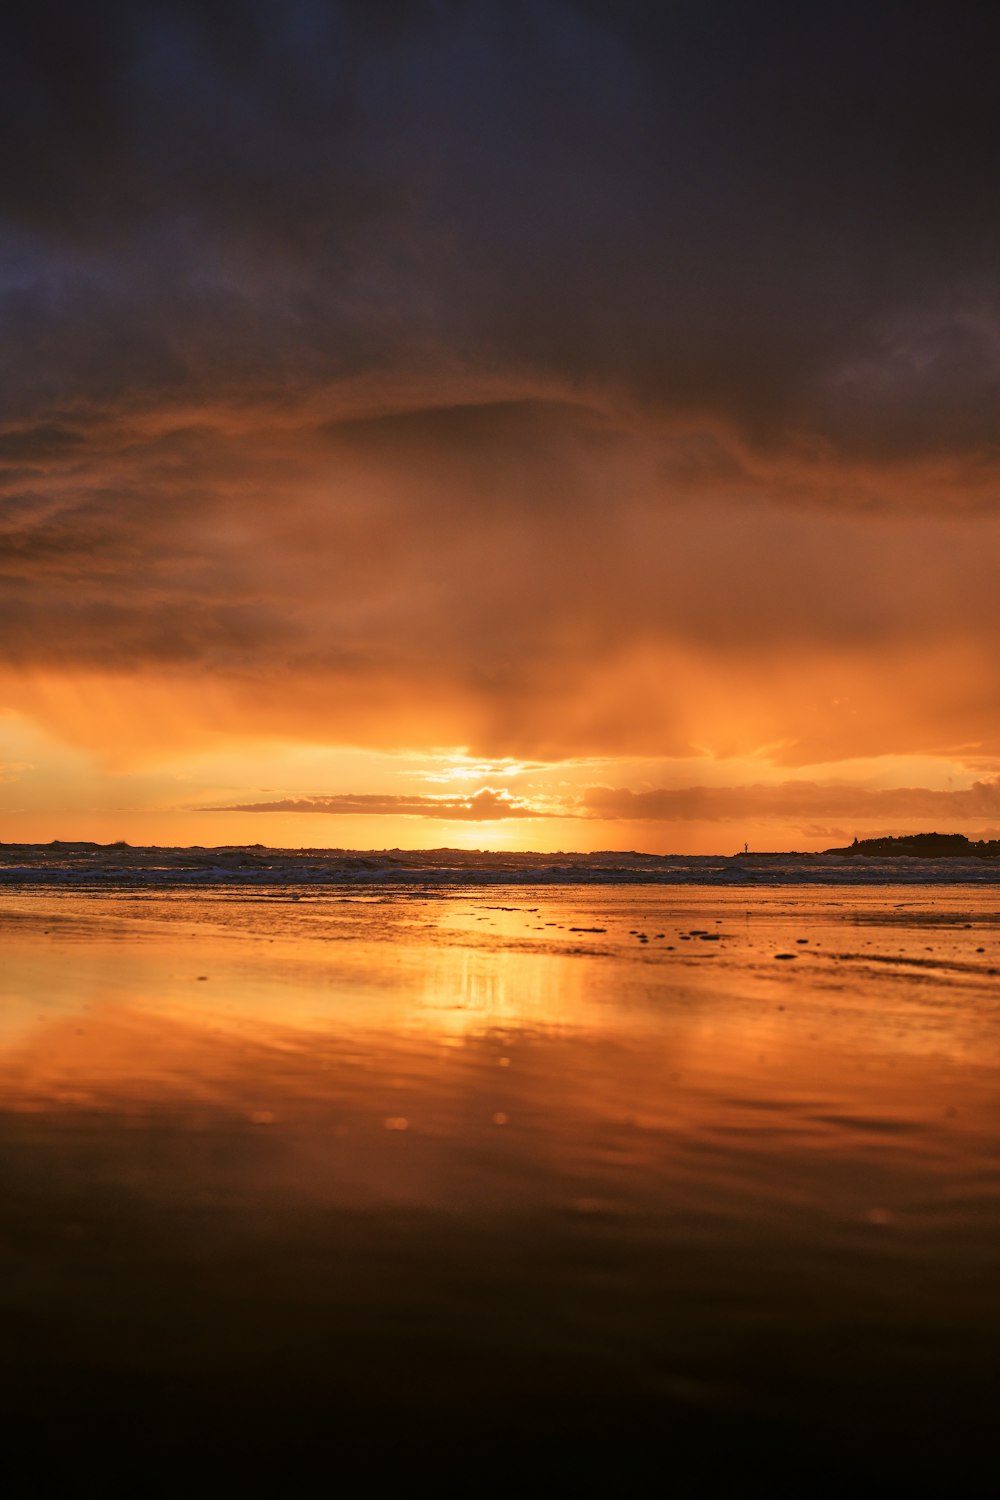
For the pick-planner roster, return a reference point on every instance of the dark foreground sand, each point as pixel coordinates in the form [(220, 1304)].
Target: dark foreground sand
[(506, 1191)]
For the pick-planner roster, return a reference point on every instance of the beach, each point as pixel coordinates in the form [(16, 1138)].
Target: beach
[(580, 1178)]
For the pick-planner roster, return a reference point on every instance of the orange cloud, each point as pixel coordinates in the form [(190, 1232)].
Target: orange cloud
[(524, 577)]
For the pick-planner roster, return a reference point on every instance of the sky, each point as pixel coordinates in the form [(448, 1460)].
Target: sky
[(554, 425)]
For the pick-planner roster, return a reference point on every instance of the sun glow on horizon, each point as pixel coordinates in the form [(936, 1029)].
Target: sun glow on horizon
[(296, 794)]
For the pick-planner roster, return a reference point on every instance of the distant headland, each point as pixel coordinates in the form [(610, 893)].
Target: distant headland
[(923, 846)]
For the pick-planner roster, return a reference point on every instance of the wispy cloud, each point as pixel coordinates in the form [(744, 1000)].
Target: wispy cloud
[(793, 800), (13, 770), (485, 805), (788, 802)]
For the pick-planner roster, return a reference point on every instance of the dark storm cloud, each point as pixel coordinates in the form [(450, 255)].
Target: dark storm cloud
[(551, 379), (779, 215)]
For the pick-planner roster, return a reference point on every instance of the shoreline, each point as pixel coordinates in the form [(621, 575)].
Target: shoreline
[(83, 865)]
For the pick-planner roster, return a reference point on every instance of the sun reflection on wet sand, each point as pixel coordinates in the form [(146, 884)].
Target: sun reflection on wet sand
[(521, 1156)]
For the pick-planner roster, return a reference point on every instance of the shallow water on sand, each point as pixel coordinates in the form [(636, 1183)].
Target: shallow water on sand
[(565, 1175)]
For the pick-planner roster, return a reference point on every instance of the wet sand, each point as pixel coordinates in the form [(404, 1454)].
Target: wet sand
[(525, 1186)]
